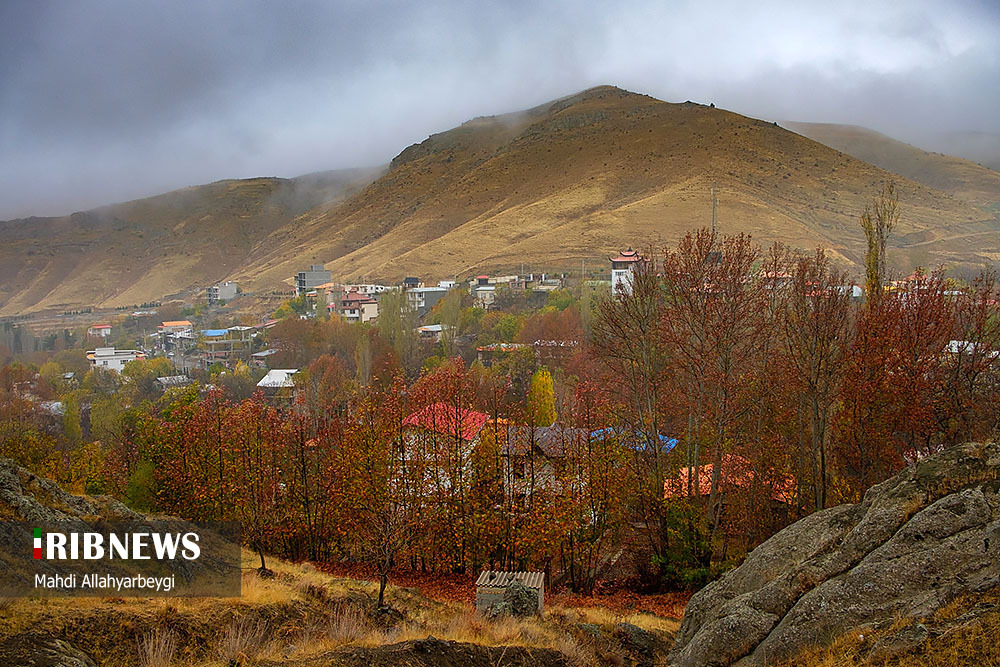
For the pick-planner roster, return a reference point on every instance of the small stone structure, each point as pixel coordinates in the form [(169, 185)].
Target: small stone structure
[(492, 584)]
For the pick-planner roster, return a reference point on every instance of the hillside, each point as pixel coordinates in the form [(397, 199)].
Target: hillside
[(960, 178), (570, 180), (293, 615), (583, 176), (150, 248)]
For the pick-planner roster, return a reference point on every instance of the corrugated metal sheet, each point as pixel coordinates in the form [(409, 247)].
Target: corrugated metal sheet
[(497, 579)]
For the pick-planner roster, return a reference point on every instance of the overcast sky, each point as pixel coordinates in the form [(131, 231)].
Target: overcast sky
[(107, 101)]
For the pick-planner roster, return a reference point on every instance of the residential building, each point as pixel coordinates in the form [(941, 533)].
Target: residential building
[(111, 359), (100, 330), (309, 280), (174, 326), (356, 307), (422, 299), (278, 385), (432, 332), (172, 381), (221, 292), (368, 288), (738, 473), (623, 271)]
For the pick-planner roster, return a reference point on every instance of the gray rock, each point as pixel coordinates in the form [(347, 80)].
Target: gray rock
[(521, 600), (899, 643), (40, 651), (913, 544)]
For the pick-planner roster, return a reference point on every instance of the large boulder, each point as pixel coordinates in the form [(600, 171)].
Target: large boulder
[(913, 544)]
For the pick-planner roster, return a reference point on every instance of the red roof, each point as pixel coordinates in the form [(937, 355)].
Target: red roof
[(358, 298), (448, 420), (627, 256), (737, 472), (100, 326)]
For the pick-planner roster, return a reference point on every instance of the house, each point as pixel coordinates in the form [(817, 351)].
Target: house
[(310, 279), (174, 326), (278, 384), (356, 307), (221, 292), (101, 330), (111, 359), (422, 299), (432, 332), (737, 474), (172, 381), (623, 271), (453, 422), (532, 456), (491, 584), (260, 359), (441, 431)]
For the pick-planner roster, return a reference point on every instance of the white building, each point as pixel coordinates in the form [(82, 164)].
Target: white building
[(111, 359), (102, 330), (278, 379), (623, 271), (221, 292)]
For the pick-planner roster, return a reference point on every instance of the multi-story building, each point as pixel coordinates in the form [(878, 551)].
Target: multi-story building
[(221, 292), (309, 280), (623, 271), (356, 307), (111, 359)]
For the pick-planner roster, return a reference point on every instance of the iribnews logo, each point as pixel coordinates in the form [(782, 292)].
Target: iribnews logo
[(129, 546)]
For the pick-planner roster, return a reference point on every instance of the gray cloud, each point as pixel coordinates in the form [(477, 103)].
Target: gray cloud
[(103, 101)]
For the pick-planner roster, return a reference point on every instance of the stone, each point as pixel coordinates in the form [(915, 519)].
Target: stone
[(914, 543)]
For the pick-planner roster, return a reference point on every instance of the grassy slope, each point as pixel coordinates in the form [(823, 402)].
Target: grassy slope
[(572, 179), (308, 617), (150, 248), (964, 179), (606, 168)]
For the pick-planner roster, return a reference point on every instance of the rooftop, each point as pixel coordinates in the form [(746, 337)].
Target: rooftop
[(448, 420)]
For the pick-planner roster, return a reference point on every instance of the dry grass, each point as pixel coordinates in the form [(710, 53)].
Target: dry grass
[(243, 639), (972, 643), (308, 614), (157, 648)]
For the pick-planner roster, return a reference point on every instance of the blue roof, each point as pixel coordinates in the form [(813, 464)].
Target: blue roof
[(214, 333), (666, 443)]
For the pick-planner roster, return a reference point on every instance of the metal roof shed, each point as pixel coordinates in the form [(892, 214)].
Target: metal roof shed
[(492, 583)]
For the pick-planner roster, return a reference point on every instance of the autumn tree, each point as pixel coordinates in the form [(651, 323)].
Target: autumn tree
[(541, 399), (817, 326), (878, 221)]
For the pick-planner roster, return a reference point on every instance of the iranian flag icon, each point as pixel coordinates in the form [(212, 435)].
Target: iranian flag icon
[(38, 543)]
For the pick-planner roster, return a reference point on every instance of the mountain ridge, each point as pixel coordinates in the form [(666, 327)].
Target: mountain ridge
[(547, 187)]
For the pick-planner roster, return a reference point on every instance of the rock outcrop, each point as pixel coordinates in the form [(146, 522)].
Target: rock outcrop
[(913, 544)]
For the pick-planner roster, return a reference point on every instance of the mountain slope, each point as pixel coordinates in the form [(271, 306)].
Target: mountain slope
[(149, 248), (961, 178), (546, 188), (582, 176)]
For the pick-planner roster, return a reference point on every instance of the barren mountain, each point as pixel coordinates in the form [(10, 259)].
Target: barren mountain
[(149, 248), (582, 176), (956, 176), (545, 188)]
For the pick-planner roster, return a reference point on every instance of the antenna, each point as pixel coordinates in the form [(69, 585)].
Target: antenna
[(715, 210)]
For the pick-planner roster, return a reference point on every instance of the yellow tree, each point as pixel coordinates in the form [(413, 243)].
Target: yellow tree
[(542, 398)]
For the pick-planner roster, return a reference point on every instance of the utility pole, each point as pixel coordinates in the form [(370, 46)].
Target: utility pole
[(715, 210)]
